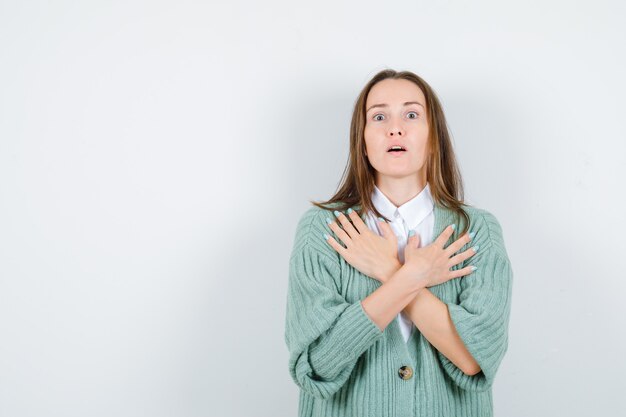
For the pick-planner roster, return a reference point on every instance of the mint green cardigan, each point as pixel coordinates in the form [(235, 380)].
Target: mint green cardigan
[(345, 365)]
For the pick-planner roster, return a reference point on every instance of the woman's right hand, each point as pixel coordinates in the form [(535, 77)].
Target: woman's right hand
[(432, 263)]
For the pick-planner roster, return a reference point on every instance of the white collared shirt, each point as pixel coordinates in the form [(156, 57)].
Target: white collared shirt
[(416, 214)]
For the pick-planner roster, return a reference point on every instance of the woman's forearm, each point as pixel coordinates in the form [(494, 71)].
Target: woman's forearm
[(386, 302), (431, 316)]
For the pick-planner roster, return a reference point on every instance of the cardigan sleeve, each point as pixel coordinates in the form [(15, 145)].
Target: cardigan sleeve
[(325, 334), (481, 318)]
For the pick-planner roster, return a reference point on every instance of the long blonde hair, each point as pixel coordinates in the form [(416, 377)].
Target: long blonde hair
[(442, 172)]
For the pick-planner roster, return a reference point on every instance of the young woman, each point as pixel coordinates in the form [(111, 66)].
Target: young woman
[(382, 321)]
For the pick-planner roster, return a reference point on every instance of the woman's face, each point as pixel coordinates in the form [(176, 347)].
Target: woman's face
[(396, 115)]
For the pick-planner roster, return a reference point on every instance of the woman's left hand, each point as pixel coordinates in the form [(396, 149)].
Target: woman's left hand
[(373, 255)]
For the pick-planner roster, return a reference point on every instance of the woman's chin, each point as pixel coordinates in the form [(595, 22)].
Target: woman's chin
[(398, 172)]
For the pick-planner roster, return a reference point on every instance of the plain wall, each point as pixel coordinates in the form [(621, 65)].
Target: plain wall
[(155, 158)]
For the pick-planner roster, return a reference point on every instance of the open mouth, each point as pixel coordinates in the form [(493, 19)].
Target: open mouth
[(396, 148)]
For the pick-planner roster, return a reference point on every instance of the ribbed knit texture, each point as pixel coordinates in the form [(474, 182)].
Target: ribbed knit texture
[(345, 366)]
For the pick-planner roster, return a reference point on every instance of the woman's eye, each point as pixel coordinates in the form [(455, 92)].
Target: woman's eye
[(375, 117), (415, 113)]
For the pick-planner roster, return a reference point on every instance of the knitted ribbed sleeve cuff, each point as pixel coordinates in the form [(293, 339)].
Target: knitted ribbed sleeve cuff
[(324, 333), (481, 319), (344, 342)]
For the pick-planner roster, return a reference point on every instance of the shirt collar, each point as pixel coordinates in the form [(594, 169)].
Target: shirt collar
[(413, 211)]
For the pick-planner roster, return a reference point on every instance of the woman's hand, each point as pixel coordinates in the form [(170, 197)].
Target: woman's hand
[(373, 255), (432, 263)]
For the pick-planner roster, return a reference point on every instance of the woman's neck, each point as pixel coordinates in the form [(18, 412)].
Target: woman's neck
[(400, 190)]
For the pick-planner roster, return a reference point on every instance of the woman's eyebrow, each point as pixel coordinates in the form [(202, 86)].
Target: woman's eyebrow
[(386, 105)]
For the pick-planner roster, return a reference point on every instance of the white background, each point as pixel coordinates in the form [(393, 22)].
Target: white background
[(156, 156)]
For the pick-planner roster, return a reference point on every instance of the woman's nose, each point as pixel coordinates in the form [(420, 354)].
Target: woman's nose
[(395, 127), (396, 131)]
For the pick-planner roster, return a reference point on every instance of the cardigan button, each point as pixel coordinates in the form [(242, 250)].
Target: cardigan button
[(405, 372)]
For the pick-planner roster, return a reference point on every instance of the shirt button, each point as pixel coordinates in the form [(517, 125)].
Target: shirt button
[(405, 372)]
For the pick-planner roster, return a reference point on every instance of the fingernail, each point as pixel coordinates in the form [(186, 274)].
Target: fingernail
[(349, 210), (326, 236), (337, 213), (411, 232), (328, 220), (453, 226), (474, 268), (476, 248), (472, 234)]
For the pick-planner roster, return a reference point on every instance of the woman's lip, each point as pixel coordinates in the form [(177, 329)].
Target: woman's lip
[(396, 153)]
